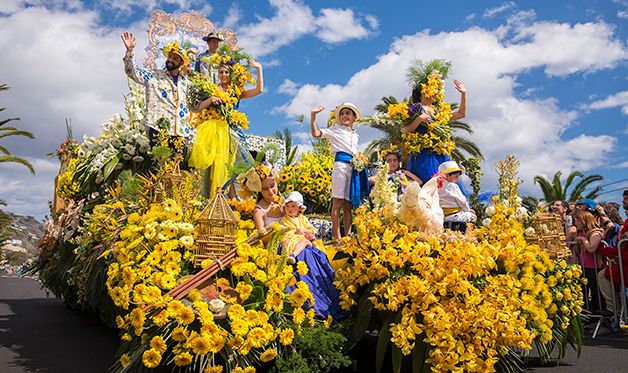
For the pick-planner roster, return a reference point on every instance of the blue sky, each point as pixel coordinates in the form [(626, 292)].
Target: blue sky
[(546, 80)]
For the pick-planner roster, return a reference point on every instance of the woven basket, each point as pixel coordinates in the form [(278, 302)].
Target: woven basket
[(216, 228), (550, 235)]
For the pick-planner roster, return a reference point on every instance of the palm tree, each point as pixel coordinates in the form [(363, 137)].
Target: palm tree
[(291, 151), (393, 134), (555, 190), (6, 131)]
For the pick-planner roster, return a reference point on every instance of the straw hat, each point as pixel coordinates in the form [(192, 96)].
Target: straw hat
[(449, 167), (347, 105)]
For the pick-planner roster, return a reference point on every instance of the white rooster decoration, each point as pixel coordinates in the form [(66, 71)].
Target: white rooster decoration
[(420, 208)]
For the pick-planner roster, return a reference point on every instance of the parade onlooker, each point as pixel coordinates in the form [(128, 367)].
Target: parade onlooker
[(588, 238), (561, 208)]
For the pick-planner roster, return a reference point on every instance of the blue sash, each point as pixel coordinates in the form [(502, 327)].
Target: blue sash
[(360, 186)]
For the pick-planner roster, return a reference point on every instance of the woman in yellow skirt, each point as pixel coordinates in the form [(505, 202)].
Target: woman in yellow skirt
[(212, 145)]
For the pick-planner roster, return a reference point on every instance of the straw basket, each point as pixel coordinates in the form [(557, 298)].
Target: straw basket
[(550, 235), (216, 229)]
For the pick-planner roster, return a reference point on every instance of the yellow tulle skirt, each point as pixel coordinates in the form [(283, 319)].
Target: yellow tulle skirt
[(212, 149)]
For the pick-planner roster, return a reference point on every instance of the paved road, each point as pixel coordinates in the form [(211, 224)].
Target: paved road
[(40, 334)]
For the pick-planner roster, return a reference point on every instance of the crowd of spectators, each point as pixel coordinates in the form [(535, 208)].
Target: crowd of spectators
[(593, 232)]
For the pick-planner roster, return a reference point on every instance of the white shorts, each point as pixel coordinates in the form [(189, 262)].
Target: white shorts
[(461, 216), (341, 180)]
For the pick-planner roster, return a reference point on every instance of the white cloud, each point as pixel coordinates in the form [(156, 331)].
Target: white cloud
[(619, 99), (623, 14), (338, 25), (503, 123), (293, 19), (67, 66), (470, 17), (288, 87), (491, 12), (233, 16), (623, 165), (148, 5)]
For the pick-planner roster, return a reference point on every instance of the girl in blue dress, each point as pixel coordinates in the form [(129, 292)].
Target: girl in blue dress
[(425, 163)]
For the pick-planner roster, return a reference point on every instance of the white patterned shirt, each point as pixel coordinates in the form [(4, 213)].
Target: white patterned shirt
[(164, 99)]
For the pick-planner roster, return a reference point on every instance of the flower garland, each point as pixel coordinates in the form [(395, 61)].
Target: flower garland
[(201, 88), (437, 138)]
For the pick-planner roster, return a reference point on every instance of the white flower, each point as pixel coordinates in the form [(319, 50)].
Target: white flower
[(521, 213), (138, 158), (486, 222), (530, 232), (187, 241), (490, 211), (130, 149), (216, 305), (126, 157), (144, 148)]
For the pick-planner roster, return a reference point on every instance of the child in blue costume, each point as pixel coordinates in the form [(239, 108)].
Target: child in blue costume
[(297, 243), (425, 163)]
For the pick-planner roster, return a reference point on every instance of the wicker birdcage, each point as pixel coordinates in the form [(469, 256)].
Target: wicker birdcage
[(216, 229), (171, 178), (549, 235)]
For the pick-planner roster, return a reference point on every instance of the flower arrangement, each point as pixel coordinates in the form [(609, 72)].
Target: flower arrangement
[(435, 136), (454, 302), (201, 89), (359, 162), (312, 177), (122, 145)]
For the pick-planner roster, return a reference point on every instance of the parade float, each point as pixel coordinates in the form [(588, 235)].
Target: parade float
[(192, 285)]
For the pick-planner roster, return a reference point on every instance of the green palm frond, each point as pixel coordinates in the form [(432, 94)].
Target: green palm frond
[(576, 194), (546, 188), (16, 133), (457, 125), (468, 146), (4, 150), (419, 70), (571, 178), (11, 158)]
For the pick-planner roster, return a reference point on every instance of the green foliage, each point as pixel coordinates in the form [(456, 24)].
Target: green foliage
[(474, 171), (419, 70), (291, 151), (555, 190), (8, 131), (318, 350)]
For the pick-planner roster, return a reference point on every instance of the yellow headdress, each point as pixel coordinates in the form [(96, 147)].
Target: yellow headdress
[(251, 180), (174, 47)]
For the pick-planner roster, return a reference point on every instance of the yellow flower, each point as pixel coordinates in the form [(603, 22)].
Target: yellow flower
[(201, 344), (298, 297), (183, 359), (286, 336), (257, 337), (179, 334), (214, 369), (328, 322), (298, 316), (302, 268), (268, 355), (158, 344), (151, 358), (125, 359)]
